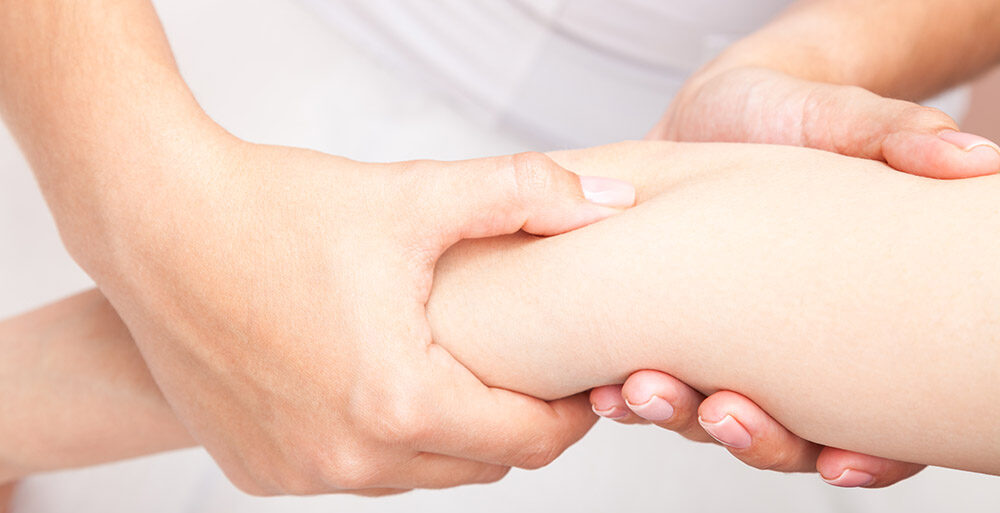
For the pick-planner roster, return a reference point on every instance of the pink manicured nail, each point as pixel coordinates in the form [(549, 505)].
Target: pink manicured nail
[(656, 409), (728, 432), (851, 478), (967, 142), (608, 191), (613, 413)]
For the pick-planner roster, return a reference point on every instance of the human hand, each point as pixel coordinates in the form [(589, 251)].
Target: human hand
[(745, 104), (278, 296), (742, 427)]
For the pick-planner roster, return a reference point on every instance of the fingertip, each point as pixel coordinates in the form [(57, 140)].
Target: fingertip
[(727, 431), (642, 385), (665, 401), (576, 408), (848, 469), (760, 426), (945, 155), (608, 192), (850, 478), (652, 395), (726, 402), (605, 396), (607, 402)]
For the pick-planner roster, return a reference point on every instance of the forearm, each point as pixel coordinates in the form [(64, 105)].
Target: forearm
[(853, 303), (92, 94), (76, 391), (895, 48)]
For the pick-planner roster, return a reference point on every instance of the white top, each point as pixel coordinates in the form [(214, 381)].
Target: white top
[(565, 73)]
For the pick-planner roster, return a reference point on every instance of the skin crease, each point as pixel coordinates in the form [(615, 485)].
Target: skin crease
[(835, 89), (815, 264), (259, 281), (724, 275), (71, 126), (841, 87)]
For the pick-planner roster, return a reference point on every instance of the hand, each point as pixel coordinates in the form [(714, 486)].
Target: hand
[(735, 422), (745, 104), (278, 297), (765, 106)]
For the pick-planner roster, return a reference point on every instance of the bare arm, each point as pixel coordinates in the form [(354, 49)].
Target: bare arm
[(76, 391), (853, 303), (207, 247), (91, 92), (835, 75), (747, 268), (895, 48)]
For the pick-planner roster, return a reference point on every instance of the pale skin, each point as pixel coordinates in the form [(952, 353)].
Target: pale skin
[(850, 301), (93, 97), (221, 255), (845, 85)]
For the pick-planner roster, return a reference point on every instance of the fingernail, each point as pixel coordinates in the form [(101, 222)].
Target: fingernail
[(656, 409), (608, 191), (967, 142), (728, 432), (851, 478), (613, 413)]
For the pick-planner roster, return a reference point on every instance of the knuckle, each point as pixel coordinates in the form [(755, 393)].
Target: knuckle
[(531, 173), (539, 452), (779, 459), (404, 420), (350, 469), (921, 116)]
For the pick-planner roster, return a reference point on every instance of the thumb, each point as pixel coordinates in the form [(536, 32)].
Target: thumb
[(527, 191), (911, 138)]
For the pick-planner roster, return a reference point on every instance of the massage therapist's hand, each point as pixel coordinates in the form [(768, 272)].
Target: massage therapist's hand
[(742, 427), (278, 295), (765, 106), (757, 105)]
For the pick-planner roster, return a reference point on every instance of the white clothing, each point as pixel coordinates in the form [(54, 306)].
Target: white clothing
[(564, 73)]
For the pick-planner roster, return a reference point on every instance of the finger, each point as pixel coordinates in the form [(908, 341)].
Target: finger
[(666, 401), (850, 469), (911, 138), (607, 401), (375, 492), (528, 191), (753, 436), (436, 471), (946, 154), (498, 426)]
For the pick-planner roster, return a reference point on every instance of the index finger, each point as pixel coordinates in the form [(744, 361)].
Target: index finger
[(499, 426)]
